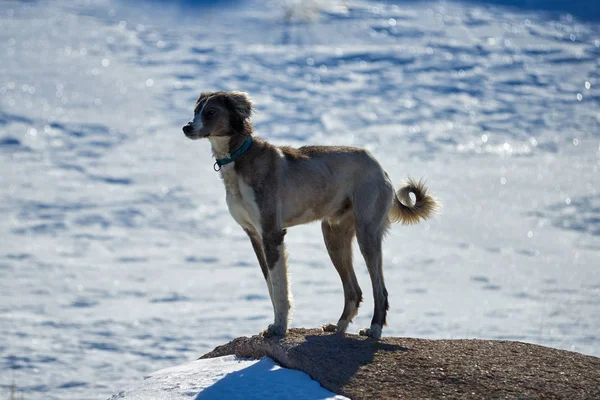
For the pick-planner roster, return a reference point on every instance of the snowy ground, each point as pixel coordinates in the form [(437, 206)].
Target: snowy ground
[(118, 256), (227, 378)]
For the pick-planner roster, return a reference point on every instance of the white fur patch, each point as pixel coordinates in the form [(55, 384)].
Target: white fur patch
[(197, 121), (220, 146), (281, 292), (251, 205), (280, 153), (241, 200)]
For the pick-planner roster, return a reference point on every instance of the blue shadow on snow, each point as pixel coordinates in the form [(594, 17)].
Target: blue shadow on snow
[(198, 4), (584, 10), (262, 381)]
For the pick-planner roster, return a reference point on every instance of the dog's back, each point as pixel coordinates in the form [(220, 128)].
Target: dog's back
[(322, 181)]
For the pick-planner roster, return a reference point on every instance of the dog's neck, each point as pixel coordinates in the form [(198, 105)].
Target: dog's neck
[(223, 146), (220, 146)]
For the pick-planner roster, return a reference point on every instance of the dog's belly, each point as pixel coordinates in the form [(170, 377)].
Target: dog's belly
[(315, 212), (305, 217)]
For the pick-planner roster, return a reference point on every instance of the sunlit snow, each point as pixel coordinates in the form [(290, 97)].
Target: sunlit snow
[(226, 378), (118, 256)]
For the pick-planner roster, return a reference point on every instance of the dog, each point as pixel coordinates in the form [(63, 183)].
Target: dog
[(271, 188)]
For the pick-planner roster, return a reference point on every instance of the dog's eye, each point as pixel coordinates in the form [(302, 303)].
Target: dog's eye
[(212, 112)]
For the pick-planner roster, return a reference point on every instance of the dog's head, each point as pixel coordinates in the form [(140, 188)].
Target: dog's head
[(220, 114)]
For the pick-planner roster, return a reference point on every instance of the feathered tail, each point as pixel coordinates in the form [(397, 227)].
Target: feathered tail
[(404, 211)]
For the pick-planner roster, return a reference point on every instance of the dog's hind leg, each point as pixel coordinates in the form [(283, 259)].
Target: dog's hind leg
[(373, 203), (338, 237), (369, 242), (260, 256)]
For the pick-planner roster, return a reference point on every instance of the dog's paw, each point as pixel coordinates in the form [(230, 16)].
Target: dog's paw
[(329, 328), (274, 330), (373, 332), (340, 327)]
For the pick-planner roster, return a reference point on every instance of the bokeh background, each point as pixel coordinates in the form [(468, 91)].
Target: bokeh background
[(118, 256)]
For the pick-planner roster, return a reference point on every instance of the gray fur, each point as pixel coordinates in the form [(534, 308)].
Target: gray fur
[(270, 188)]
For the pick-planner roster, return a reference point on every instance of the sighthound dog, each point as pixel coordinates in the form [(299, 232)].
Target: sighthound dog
[(270, 188)]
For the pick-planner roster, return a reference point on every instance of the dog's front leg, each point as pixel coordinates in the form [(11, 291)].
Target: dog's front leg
[(259, 250), (277, 265)]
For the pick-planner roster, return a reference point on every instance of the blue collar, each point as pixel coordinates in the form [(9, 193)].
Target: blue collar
[(234, 156)]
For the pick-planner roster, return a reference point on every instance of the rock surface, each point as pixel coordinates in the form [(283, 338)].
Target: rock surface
[(362, 368)]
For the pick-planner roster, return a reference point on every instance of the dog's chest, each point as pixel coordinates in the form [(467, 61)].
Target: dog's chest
[(241, 200)]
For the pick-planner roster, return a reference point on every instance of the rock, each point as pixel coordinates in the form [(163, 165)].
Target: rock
[(363, 368)]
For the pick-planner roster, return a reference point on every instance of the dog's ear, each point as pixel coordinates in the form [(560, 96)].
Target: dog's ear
[(240, 108), (240, 104)]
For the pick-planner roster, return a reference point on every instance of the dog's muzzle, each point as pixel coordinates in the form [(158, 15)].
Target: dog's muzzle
[(188, 129)]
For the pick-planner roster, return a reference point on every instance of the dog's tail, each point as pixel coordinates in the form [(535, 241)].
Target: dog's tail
[(408, 213)]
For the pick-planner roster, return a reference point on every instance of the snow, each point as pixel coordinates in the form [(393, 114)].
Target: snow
[(227, 378), (118, 256)]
